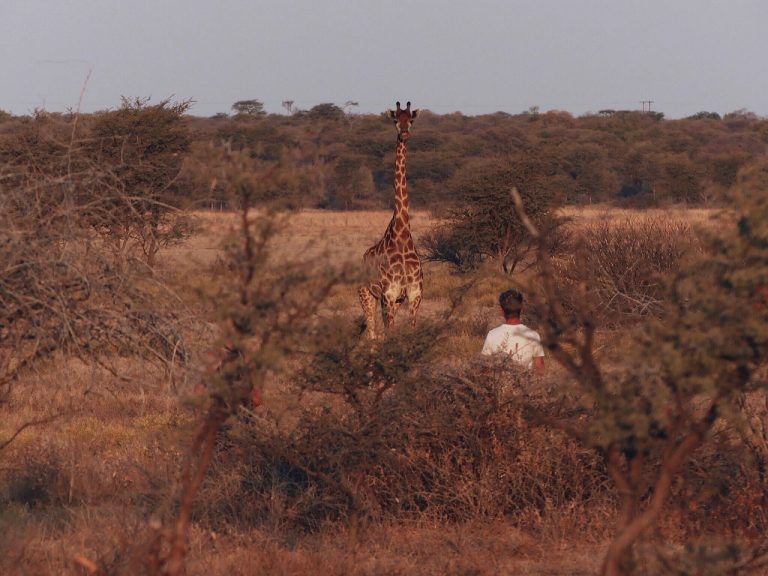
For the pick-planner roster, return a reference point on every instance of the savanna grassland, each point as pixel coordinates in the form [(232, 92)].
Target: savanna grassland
[(87, 482), (184, 388)]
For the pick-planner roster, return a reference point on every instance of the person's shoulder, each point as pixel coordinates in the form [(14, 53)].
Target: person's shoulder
[(528, 332), (498, 330)]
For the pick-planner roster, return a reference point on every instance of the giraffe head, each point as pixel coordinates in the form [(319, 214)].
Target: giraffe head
[(403, 119)]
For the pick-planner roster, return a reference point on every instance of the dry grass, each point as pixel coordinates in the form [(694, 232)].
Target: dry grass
[(85, 485), (336, 236), (495, 548), (344, 236), (585, 215)]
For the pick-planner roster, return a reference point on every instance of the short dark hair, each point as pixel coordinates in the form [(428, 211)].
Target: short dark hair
[(511, 302)]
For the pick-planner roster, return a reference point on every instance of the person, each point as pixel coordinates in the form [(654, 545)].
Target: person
[(513, 337)]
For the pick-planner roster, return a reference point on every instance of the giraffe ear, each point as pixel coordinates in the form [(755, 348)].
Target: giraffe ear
[(391, 113), (414, 113)]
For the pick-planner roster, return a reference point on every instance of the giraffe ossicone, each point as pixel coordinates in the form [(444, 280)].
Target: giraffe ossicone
[(393, 262)]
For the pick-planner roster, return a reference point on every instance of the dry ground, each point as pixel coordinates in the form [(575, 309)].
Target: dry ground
[(85, 482), (337, 236), (344, 236), (584, 215)]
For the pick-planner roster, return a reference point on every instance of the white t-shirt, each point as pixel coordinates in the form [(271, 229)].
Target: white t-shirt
[(517, 340)]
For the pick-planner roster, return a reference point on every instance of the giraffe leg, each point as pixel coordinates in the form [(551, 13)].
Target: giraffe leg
[(414, 301), (413, 307), (398, 303), (389, 307), (368, 303)]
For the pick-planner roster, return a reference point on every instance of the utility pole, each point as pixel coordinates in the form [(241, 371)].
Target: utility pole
[(644, 102)]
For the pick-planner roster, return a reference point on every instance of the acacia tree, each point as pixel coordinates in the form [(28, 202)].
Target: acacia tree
[(136, 200), (249, 108), (682, 372), (60, 292), (326, 111), (484, 224)]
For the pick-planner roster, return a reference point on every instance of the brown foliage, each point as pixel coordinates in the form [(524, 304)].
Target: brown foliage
[(60, 291), (679, 376), (384, 436), (482, 224), (617, 270)]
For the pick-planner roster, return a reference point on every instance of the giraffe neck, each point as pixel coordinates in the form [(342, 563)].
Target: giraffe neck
[(401, 188)]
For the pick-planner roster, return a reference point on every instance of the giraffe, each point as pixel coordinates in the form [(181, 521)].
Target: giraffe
[(393, 260)]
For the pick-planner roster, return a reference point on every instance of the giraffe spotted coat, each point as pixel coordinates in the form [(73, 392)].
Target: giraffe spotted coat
[(393, 262)]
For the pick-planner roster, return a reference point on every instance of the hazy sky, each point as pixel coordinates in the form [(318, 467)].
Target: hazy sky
[(474, 56)]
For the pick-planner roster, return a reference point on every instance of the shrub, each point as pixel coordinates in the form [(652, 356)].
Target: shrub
[(249, 108), (61, 289), (680, 375), (139, 150), (483, 225), (389, 435), (625, 266)]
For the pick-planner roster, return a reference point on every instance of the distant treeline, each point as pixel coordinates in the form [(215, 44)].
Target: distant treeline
[(328, 158)]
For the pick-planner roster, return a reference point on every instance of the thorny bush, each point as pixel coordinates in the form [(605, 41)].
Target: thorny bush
[(618, 271), (385, 434), (61, 289)]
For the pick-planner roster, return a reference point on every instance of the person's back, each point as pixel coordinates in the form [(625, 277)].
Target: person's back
[(517, 340), (514, 338)]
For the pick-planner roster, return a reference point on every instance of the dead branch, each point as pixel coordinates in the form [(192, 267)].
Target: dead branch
[(32, 424)]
